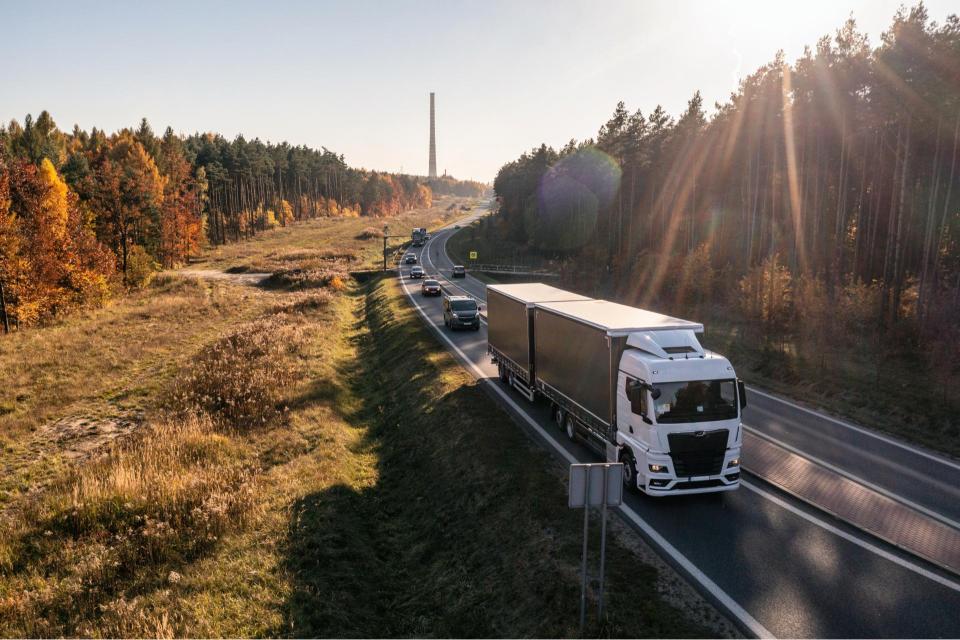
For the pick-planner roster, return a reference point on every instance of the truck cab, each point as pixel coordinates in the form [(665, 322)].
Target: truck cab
[(678, 415)]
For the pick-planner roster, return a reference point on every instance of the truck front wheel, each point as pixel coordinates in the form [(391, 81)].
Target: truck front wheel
[(570, 426), (629, 471), (502, 370)]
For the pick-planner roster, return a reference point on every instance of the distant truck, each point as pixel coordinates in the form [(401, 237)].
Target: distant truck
[(418, 236), (634, 385)]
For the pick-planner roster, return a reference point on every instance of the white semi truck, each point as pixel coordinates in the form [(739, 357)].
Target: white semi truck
[(635, 385)]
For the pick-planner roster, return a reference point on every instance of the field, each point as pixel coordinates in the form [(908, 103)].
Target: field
[(211, 458)]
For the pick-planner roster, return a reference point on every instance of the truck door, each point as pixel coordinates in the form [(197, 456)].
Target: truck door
[(627, 417), (631, 405)]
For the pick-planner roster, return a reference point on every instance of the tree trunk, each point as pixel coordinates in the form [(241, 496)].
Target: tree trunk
[(3, 310)]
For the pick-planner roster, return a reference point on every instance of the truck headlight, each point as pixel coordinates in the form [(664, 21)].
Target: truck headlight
[(658, 468), (733, 463)]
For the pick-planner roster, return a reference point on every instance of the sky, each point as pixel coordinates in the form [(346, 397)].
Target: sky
[(355, 77)]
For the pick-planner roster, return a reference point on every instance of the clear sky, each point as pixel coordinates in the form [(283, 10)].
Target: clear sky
[(355, 76)]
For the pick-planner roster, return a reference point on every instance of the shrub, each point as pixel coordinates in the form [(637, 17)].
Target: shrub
[(369, 234), (304, 302), (307, 279), (238, 380), (141, 267), (767, 295)]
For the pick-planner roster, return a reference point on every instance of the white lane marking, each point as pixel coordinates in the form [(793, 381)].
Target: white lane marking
[(872, 434), (893, 496), (886, 555), (732, 606)]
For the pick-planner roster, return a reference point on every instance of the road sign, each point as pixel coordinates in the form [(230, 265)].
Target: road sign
[(473, 255), (594, 485), (609, 474)]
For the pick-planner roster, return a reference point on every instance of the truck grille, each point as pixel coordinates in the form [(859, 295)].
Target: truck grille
[(695, 455)]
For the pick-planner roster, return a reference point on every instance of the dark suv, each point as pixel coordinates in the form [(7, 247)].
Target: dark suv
[(430, 288), (461, 312)]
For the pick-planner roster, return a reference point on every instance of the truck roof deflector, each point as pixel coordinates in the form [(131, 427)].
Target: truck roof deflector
[(666, 344)]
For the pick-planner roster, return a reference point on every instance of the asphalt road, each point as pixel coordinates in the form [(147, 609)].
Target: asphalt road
[(775, 565)]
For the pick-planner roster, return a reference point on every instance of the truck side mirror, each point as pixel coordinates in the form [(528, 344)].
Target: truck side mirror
[(742, 392), (654, 393)]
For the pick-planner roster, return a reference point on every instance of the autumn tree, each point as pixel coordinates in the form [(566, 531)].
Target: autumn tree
[(129, 190)]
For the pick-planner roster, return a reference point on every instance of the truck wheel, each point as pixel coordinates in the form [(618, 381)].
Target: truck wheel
[(629, 471), (502, 370), (570, 426)]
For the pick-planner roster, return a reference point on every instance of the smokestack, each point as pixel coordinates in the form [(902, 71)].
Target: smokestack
[(433, 141)]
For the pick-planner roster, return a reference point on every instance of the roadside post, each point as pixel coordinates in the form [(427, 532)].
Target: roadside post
[(594, 485)]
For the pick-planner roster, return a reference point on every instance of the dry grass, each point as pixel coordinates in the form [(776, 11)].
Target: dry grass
[(238, 380), (157, 500), (356, 241), (299, 278)]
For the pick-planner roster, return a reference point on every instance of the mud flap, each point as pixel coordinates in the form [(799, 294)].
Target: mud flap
[(613, 452)]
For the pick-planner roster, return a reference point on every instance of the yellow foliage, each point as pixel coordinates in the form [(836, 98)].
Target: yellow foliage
[(337, 284), (54, 207), (285, 212)]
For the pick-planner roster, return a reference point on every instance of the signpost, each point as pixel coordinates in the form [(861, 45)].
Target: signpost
[(594, 485), (473, 255)]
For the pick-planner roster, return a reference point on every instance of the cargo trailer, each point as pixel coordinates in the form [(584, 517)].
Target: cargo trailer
[(634, 385), (510, 340)]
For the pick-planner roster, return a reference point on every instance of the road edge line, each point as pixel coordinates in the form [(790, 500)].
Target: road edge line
[(733, 607)]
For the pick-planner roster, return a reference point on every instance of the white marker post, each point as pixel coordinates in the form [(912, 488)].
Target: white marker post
[(594, 485)]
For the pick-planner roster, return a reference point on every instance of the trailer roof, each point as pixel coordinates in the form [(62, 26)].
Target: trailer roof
[(617, 319), (533, 292)]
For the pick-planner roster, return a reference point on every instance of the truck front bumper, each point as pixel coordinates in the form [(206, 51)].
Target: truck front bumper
[(666, 483)]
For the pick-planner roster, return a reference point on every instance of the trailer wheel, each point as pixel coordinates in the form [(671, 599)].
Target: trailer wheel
[(629, 471), (570, 426), (502, 370)]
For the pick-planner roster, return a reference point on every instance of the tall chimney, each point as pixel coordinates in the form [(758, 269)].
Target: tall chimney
[(433, 141)]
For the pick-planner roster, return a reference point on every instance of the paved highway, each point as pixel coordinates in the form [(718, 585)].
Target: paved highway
[(777, 566)]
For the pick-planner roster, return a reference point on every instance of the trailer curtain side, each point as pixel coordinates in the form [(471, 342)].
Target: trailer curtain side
[(577, 360), (508, 330)]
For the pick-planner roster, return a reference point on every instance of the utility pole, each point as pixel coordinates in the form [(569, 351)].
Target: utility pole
[(386, 231)]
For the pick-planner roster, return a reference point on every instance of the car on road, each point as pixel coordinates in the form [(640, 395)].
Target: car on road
[(410, 258), (456, 226), (417, 272), (459, 271), (461, 312), (430, 288)]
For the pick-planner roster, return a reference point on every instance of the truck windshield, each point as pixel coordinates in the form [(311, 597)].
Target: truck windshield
[(697, 401), (464, 305)]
